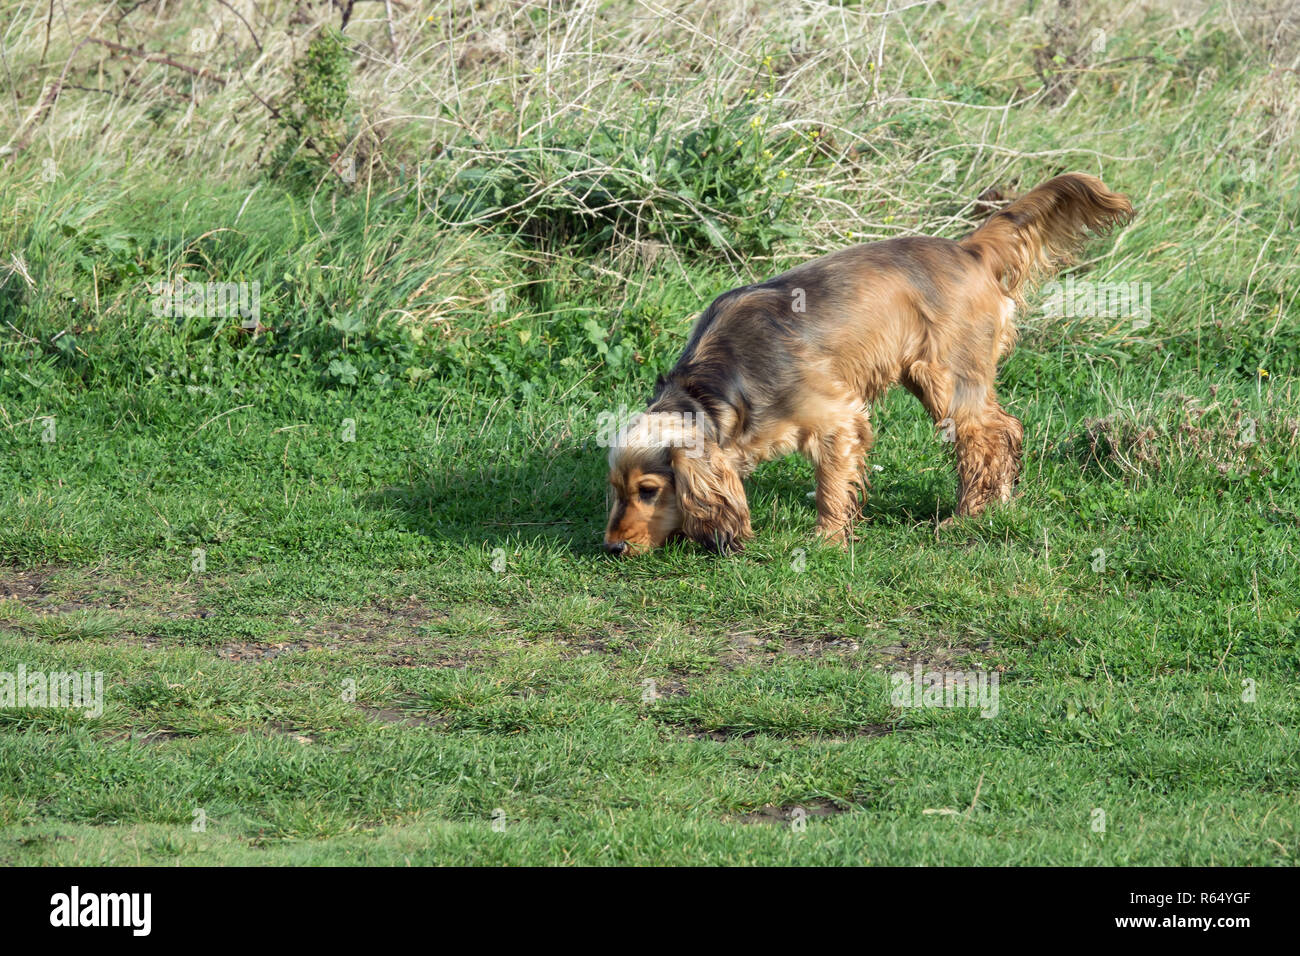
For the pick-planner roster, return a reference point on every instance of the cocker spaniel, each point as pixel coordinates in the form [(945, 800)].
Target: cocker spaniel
[(793, 364)]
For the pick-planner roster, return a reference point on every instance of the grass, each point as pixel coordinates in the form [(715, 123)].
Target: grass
[(342, 574)]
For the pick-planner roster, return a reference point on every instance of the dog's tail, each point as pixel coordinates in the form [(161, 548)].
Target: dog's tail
[(1037, 232)]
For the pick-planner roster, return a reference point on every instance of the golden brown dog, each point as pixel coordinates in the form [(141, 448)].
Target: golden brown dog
[(793, 363)]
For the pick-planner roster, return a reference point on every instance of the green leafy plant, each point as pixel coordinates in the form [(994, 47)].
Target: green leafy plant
[(722, 184), (314, 123)]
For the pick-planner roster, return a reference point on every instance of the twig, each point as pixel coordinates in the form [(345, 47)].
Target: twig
[(160, 58), (23, 334), (49, 23), (23, 138), (256, 42), (222, 415), (289, 121), (392, 37), (975, 799)]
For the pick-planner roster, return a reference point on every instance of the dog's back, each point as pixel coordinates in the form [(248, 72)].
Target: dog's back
[(869, 315)]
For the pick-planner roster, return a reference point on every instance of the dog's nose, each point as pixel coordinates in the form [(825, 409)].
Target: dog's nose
[(616, 547)]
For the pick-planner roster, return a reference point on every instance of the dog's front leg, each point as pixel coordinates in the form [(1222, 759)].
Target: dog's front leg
[(840, 460)]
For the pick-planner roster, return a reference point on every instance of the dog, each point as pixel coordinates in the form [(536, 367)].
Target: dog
[(794, 364)]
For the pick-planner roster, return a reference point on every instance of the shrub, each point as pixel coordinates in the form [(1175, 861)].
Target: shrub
[(720, 185), (314, 122)]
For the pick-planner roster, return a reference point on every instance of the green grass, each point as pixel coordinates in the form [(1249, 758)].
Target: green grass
[(343, 576), (522, 690)]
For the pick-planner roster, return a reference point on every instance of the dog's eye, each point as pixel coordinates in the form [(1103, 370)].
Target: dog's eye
[(648, 493)]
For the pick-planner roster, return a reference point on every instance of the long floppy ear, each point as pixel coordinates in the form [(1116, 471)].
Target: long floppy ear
[(712, 500)]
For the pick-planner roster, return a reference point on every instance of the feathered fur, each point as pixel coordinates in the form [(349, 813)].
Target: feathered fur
[(794, 363)]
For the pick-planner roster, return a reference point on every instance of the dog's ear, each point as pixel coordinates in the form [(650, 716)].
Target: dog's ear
[(711, 497)]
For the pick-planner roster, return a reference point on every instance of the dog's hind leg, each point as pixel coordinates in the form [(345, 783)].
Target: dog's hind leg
[(989, 446), (987, 440), (839, 455)]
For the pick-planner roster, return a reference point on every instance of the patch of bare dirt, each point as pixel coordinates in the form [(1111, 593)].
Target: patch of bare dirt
[(907, 654), (387, 627), (32, 588), (592, 642), (391, 715), (90, 590), (410, 651), (432, 657), (695, 732), (290, 730), (748, 647), (789, 814), (258, 652), (666, 687), (25, 586), (719, 735)]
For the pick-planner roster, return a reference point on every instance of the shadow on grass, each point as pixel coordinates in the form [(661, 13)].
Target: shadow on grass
[(912, 499), (902, 500), (559, 500)]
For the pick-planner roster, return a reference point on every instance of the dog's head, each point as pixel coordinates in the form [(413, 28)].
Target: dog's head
[(668, 479)]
